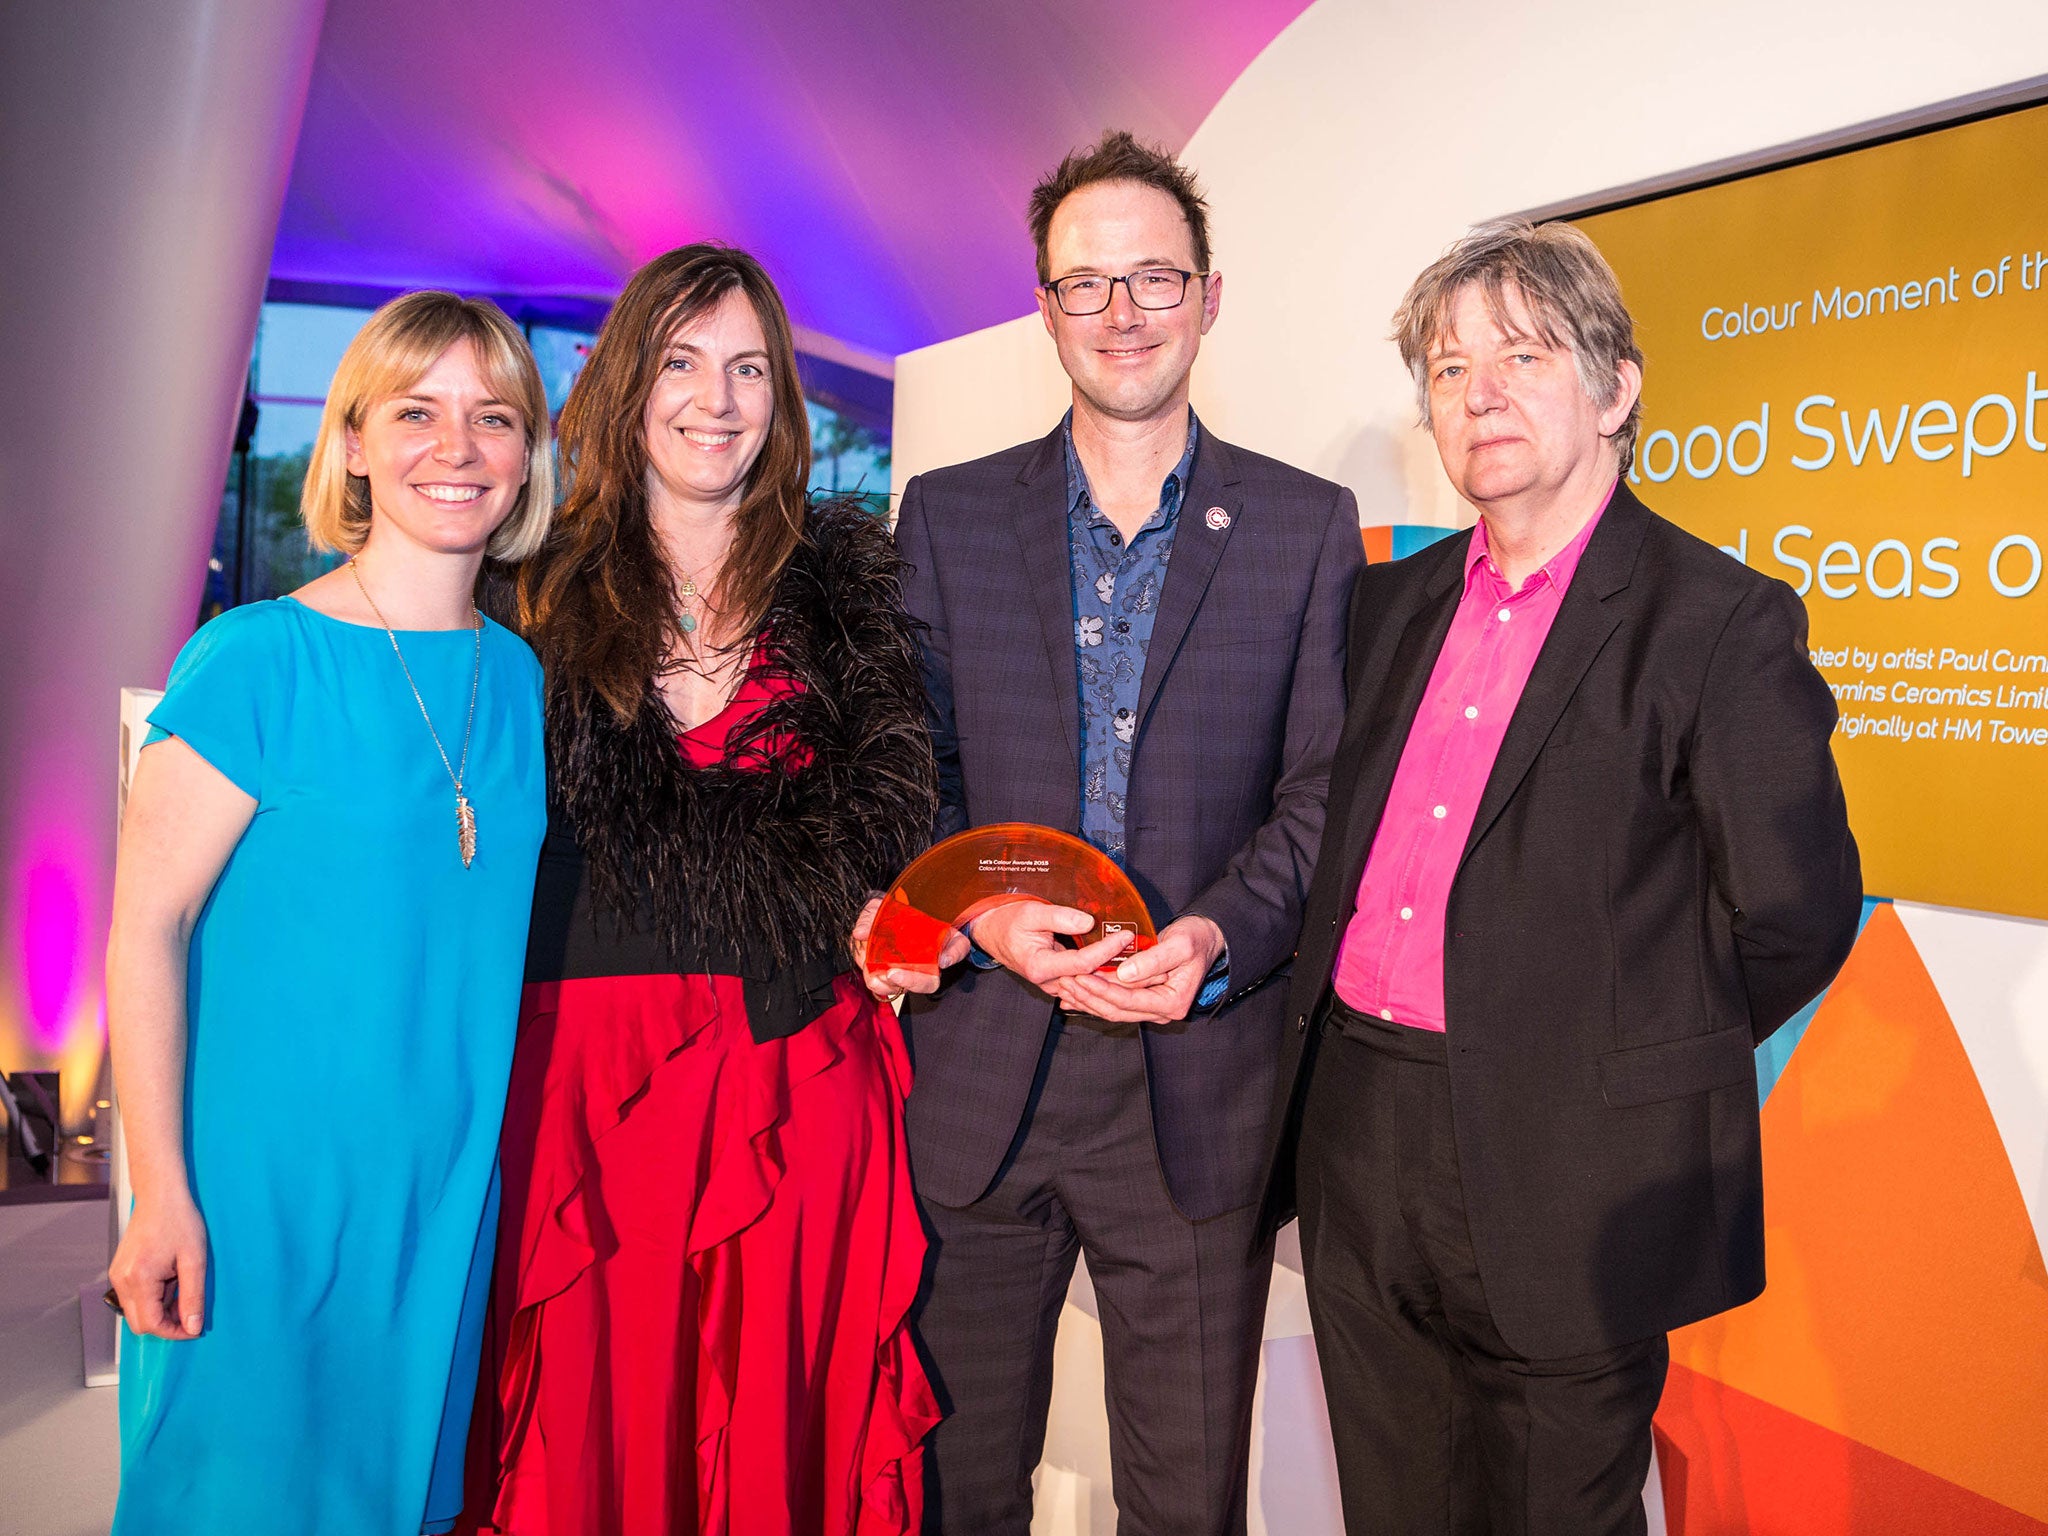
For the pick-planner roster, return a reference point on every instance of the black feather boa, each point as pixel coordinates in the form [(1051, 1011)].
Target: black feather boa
[(773, 863)]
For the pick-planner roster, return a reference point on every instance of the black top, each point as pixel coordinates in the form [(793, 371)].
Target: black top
[(652, 866), (571, 939)]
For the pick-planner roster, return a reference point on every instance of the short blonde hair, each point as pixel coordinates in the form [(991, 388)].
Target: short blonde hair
[(1570, 293), (393, 350)]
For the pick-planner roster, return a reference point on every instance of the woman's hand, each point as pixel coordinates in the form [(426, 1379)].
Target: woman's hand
[(159, 1271), (893, 983)]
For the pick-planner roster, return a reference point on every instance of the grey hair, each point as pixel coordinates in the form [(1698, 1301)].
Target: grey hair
[(1567, 289)]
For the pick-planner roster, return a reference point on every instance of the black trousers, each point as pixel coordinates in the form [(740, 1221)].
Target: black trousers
[(1182, 1306), (1439, 1426)]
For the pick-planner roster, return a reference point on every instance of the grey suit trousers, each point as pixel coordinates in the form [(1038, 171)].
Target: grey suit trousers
[(1182, 1306)]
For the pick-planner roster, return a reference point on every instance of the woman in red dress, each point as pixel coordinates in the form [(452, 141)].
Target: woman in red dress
[(709, 1245)]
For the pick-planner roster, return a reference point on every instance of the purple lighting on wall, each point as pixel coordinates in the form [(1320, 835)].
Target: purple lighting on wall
[(877, 157), (52, 924)]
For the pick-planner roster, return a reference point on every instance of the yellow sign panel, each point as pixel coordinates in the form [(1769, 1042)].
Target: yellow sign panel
[(1847, 388)]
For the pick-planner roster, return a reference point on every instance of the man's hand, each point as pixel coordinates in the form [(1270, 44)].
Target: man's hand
[(893, 983), (1024, 937), (1156, 986)]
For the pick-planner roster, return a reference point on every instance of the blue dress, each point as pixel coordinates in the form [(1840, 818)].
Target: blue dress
[(351, 1003)]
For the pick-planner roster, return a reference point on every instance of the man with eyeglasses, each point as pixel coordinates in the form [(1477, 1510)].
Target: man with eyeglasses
[(1136, 634)]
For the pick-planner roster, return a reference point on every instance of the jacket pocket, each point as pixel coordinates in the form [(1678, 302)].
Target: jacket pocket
[(1596, 747), (1677, 1069)]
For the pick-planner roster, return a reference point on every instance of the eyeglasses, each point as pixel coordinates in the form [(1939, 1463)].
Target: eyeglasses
[(1088, 293)]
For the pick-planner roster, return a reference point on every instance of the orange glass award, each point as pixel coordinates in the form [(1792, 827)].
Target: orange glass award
[(954, 882)]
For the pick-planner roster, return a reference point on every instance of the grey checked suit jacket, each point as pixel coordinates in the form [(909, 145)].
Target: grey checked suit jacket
[(1239, 711)]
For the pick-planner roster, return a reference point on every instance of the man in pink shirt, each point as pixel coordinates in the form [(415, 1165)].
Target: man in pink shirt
[(1585, 848)]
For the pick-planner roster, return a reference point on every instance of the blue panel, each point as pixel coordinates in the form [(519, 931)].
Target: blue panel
[(1409, 537), (1774, 1053)]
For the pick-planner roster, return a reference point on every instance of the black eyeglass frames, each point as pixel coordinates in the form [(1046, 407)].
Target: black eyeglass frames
[(1088, 293)]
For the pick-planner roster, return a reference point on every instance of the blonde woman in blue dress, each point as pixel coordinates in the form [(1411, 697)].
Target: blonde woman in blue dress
[(319, 920)]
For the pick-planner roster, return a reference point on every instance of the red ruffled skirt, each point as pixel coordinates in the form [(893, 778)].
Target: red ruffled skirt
[(708, 1254)]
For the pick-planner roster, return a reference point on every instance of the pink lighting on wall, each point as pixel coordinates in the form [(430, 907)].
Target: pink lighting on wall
[(52, 926), (877, 157), (155, 144)]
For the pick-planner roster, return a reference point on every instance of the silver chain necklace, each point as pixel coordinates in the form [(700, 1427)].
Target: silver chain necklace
[(465, 817)]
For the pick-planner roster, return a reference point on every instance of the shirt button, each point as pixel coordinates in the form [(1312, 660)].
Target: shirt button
[(1387, 1014), (1123, 626), (1406, 913), (1117, 540), (1505, 615), (1438, 813), (1471, 711)]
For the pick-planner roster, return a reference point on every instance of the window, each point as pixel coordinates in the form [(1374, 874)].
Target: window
[(848, 458), (561, 355), (259, 545)]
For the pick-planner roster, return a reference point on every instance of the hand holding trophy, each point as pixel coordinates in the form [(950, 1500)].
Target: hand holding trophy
[(1048, 884)]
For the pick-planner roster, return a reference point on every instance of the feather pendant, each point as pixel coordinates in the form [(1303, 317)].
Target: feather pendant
[(465, 829)]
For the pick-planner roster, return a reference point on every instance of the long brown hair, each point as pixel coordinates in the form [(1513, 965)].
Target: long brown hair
[(599, 602)]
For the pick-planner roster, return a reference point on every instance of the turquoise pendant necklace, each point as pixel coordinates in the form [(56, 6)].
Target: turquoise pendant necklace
[(688, 620)]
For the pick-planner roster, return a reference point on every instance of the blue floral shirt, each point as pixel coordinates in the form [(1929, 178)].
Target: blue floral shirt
[(1116, 597), (1117, 583)]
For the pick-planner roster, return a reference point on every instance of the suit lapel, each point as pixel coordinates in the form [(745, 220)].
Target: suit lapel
[(1585, 620), (1197, 548), (1040, 523), (1400, 699)]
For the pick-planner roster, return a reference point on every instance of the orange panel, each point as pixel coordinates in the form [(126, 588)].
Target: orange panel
[(1379, 544), (1907, 1307), (1734, 1466)]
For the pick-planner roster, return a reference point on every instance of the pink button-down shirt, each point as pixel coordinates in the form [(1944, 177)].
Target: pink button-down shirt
[(1391, 963)]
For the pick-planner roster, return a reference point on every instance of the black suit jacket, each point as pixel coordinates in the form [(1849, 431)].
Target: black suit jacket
[(1238, 712), (1659, 875)]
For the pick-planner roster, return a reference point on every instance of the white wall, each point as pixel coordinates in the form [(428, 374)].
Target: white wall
[(1369, 135), (144, 151), (1372, 132)]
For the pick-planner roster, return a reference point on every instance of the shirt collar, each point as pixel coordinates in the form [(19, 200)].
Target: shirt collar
[(1557, 571), (1172, 491)]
